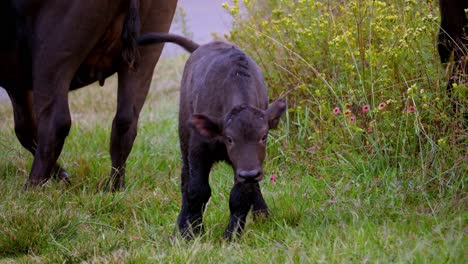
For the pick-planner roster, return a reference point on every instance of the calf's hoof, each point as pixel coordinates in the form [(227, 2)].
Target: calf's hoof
[(190, 230), (260, 214), (233, 231), (112, 185), (62, 175), (30, 184), (231, 235)]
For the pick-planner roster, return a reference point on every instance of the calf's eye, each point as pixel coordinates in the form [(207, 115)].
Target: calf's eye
[(264, 139), (230, 140)]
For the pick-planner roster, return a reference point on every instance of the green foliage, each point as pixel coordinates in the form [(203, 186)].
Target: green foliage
[(364, 84)]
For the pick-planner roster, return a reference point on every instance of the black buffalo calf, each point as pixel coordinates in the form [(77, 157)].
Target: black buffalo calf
[(224, 116)]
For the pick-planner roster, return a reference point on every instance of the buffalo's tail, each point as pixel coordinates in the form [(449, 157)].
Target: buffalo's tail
[(156, 37), (130, 32)]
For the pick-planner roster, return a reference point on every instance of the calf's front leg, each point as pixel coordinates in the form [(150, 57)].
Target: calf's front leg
[(197, 192), (260, 208), (240, 201)]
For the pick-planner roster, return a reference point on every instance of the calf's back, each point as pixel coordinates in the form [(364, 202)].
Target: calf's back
[(217, 77)]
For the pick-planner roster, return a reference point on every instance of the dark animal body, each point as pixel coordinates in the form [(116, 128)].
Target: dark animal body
[(453, 40), (223, 116), (49, 47)]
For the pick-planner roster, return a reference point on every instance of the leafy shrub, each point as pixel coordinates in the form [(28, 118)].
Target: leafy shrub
[(364, 84)]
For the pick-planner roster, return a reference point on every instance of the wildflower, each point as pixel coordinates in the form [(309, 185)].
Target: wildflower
[(347, 112), (348, 105), (412, 90), (352, 118), (442, 141), (365, 108), (410, 109), (382, 106), (273, 178), (336, 110), (369, 130)]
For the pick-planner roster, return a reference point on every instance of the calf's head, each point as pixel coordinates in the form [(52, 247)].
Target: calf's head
[(244, 131)]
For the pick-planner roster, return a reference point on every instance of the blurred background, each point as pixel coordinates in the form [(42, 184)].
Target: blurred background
[(199, 19)]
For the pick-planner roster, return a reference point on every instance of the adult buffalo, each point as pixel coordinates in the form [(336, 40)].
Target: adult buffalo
[(49, 47), (453, 40)]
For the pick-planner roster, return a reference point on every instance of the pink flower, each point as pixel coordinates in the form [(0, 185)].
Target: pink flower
[(273, 178), (352, 118), (336, 110), (369, 130), (365, 108), (382, 106), (410, 109)]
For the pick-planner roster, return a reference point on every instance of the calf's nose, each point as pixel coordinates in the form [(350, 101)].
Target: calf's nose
[(250, 175)]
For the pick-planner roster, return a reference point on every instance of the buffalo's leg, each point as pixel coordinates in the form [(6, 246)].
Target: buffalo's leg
[(240, 201), (54, 123), (133, 88), (50, 101), (57, 52), (196, 192), (26, 127), (132, 91), (124, 130)]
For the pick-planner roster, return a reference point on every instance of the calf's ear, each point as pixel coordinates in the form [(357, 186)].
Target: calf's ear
[(205, 126), (274, 112)]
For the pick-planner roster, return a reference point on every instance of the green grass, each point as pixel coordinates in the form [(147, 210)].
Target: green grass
[(389, 187), (319, 213)]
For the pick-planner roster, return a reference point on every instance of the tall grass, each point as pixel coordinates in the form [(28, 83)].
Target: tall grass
[(364, 84)]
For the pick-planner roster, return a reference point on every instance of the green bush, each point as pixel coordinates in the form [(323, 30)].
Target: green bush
[(364, 83)]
